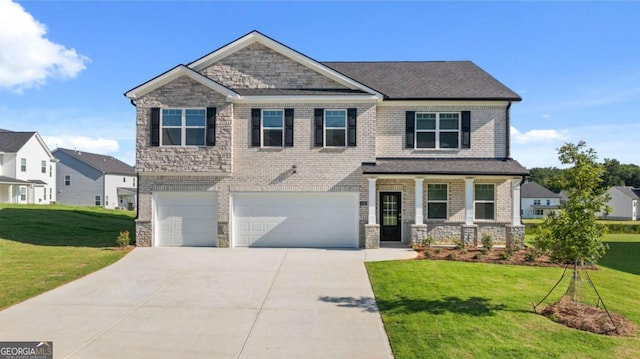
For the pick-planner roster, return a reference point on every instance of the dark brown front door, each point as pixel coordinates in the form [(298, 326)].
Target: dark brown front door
[(390, 216)]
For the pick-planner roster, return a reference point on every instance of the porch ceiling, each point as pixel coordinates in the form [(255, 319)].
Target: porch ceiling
[(445, 166)]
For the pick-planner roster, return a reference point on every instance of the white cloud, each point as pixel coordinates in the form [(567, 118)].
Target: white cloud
[(546, 115), (536, 136), (28, 58), (82, 143)]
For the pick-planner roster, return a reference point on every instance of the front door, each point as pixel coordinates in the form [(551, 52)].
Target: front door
[(390, 216)]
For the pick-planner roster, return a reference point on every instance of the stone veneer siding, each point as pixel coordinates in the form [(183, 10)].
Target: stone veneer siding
[(257, 67)]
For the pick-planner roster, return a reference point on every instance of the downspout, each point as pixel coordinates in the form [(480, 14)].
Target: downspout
[(134, 104), (508, 132)]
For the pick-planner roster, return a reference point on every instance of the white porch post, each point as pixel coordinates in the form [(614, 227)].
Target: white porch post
[(468, 192), (419, 189), (515, 198), (10, 193), (372, 200)]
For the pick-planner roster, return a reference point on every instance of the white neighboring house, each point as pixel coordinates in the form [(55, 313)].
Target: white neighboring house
[(624, 203), (27, 169), (89, 179), (537, 201)]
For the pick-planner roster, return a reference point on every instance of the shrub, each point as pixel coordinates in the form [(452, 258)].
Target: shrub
[(452, 256), (477, 255), (437, 251), (484, 251), (123, 239), (487, 241), (506, 255)]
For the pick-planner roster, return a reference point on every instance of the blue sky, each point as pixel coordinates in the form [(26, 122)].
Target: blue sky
[(64, 65)]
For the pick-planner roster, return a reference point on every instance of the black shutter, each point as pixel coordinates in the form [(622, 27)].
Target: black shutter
[(410, 129), (211, 126), (351, 126), (319, 127), (288, 127), (466, 129), (255, 127), (155, 126)]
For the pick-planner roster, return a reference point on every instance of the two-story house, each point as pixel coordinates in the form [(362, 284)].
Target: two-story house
[(538, 201), (624, 202), (90, 179), (27, 169), (256, 144)]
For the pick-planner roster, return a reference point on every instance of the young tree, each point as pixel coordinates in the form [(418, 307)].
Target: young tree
[(573, 234)]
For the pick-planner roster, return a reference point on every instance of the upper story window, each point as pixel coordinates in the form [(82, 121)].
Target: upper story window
[(335, 127), (43, 167), (134, 182), (536, 202), (484, 204), (548, 202), (67, 180), (124, 179), (438, 130), (183, 127), (50, 171), (437, 196), (272, 127), (23, 165)]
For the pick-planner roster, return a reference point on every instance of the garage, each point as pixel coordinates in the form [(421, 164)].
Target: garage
[(295, 219), (186, 219)]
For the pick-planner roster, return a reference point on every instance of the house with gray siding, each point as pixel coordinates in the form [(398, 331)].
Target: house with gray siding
[(538, 201), (257, 144), (624, 202), (89, 179)]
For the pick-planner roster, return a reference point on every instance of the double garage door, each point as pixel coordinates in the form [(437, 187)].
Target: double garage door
[(259, 219), (295, 219)]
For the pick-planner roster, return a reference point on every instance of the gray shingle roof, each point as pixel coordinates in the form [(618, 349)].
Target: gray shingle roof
[(105, 164), (272, 92), (445, 166), (535, 190), (13, 141), (5, 179), (631, 192), (433, 80)]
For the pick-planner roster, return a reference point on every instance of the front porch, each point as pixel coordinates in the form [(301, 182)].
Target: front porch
[(450, 208)]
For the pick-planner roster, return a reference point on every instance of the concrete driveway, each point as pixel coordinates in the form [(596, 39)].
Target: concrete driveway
[(213, 303)]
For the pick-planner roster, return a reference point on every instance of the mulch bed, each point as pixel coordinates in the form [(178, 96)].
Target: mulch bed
[(588, 318)]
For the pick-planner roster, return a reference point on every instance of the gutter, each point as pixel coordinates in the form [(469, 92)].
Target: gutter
[(133, 103), (507, 131)]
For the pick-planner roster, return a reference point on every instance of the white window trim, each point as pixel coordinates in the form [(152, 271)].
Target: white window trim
[(97, 200), (325, 127), (484, 201), (23, 165), (437, 131), (438, 201), (183, 126), (262, 128), (23, 194), (69, 180), (43, 167), (536, 202)]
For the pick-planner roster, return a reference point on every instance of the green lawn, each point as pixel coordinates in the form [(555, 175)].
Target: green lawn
[(43, 247), (441, 309)]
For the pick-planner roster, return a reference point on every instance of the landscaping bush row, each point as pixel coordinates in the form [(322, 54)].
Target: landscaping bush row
[(620, 228)]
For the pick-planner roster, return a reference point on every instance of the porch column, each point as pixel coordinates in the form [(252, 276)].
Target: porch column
[(10, 193), (372, 200), (515, 198), (468, 192), (419, 210)]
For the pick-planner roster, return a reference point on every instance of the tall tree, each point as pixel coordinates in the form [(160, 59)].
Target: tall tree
[(573, 234), (548, 177)]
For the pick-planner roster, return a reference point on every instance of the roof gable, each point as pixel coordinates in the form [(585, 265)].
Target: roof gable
[(104, 164), (630, 192), (256, 37), (173, 74)]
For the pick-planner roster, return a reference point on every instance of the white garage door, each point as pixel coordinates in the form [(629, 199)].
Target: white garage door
[(295, 219), (186, 218)]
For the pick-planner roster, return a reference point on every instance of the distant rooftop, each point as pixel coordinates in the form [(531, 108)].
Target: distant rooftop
[(105, 164)]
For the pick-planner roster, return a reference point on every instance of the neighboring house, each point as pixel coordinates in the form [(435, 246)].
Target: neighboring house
[(256, 144), (538, 201), (89, 179), (27, 169), (624, 202)]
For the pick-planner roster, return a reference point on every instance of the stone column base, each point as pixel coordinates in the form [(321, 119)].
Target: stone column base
[(143, 233), (515, 236), (223, 234), (418, 232), (469, 235), (371, 236)]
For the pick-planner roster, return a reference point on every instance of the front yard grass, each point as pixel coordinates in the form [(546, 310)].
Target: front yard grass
[(43, 247), (443, 309)]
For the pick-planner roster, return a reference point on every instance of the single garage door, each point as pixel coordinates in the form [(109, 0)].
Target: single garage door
[(295, 219), (186, 218)]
